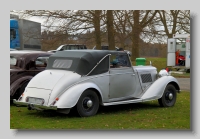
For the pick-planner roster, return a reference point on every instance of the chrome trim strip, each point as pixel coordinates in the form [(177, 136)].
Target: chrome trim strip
[(123, 102), (123, 73), (98, 64), (34, 106)]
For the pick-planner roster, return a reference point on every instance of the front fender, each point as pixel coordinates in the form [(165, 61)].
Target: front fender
[(71, 96), (156, 90), (18, 83)]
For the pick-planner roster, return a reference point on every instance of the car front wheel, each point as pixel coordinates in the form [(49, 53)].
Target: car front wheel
[(88, 104), (169, 96)]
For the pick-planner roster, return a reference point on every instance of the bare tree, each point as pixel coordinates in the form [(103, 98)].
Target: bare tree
[(110, 29), (184, 21), (175, 21), (70, 21), (122, 30), (96, 22), (138, 21)]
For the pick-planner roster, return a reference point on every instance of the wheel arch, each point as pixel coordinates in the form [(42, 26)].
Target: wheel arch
[(169, 96), (18, 84), (72, 98), (177, 87), (98, 94), (156, 90)]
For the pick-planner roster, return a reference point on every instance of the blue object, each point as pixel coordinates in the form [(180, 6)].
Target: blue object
[(14, 34), (114, 62)]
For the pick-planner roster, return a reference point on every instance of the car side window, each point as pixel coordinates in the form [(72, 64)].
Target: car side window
[(41, 61), (74, 47), (119, 61), (67, 47)]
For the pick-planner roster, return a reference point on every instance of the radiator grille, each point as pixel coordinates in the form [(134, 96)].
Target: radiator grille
[(146, 78)]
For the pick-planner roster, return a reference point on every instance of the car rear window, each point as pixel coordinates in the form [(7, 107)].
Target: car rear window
[(62, 63)]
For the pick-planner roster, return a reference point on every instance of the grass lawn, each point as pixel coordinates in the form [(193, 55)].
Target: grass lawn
[(138, 116)]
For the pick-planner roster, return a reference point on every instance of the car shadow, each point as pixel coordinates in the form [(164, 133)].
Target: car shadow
[(102, 110), (127, 107)]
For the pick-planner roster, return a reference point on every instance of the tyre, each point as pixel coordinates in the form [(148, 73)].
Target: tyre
[(88, 104), (169, 96)]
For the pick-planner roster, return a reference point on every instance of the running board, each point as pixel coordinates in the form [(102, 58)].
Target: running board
[(143, 99), (123, 102)]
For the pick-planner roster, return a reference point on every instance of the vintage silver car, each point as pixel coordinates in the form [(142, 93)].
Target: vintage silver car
[(85, 79)]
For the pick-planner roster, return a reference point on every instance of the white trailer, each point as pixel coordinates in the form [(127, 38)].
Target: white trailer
[(179, 42)]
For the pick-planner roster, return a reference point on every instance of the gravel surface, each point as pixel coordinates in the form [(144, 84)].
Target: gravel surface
[(184, 83)]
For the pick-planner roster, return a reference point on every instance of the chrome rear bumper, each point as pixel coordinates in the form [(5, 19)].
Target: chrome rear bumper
[(34, 106)]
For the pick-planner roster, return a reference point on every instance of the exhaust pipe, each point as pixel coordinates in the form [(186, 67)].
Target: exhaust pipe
[(30, 107)]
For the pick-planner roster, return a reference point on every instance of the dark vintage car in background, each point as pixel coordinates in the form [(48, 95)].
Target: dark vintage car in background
[(23, 66)]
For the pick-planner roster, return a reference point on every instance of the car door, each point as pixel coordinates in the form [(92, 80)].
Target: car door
[(122, 78)]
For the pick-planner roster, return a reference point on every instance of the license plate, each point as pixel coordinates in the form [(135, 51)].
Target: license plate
[(35, 100)]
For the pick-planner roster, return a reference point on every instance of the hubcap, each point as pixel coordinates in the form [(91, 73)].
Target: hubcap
[(89, 103), (170, 96)]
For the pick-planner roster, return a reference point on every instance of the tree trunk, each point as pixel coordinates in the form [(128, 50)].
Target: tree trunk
[(135, 35), (96, 21), (110, 29)]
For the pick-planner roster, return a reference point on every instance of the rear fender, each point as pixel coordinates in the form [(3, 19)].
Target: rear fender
[(70, 97), (18, 83), (156, 90)]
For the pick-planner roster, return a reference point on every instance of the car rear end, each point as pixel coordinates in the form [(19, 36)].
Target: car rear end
[(44, 89)]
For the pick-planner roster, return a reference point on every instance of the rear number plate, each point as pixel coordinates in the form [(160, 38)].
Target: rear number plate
[(35, 100)]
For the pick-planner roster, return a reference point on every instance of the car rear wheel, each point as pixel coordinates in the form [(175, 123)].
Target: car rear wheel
[(169, 97), (88, 104)]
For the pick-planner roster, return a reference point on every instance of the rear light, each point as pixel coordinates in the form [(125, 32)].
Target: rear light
[(54, 102)]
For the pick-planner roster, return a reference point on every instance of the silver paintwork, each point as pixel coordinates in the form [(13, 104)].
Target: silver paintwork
[(117, 86)]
